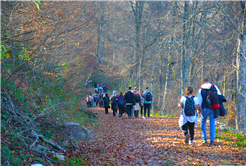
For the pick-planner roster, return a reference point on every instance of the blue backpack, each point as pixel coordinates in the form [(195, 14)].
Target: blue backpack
[(121, 101)]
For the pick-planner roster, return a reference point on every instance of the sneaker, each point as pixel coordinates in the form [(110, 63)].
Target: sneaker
[(204, 141), (120, 116), (148, 117), (212, 143), (191, 142), (143, 117), (187, 138)]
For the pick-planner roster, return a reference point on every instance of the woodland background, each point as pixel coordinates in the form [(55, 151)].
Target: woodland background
[(50, 49)]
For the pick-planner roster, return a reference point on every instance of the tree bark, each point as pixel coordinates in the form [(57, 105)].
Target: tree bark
[(241, 67), (99, 33)]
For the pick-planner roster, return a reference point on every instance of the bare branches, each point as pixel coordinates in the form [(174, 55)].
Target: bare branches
[(228, 17)]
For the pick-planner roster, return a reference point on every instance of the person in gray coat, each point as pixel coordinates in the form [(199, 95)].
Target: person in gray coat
[(114, 103)]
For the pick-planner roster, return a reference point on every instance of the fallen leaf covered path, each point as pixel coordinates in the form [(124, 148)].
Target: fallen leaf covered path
[(154, 141)]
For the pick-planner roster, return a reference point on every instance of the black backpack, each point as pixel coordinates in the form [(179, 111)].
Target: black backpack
[(148, 96), (105, 100), (212, 99), (137, 98), (114, 100), (190, 109)]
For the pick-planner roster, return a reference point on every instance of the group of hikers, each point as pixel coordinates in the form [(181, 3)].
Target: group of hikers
[(207, 103), (96, 99), (130, 102)]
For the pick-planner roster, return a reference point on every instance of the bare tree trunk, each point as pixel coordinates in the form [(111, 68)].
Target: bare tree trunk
[(166, 88), (138, 12), (141, 58), (241, 71), (99, 33), (153, 76), (102, 32)]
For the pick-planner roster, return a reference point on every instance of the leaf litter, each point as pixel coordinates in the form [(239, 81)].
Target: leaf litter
[(154, 141)]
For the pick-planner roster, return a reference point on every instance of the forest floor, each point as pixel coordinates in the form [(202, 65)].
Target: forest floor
[(154, 141)]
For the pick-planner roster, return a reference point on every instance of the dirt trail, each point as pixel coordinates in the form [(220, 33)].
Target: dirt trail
[(123, 141), (154, 141)]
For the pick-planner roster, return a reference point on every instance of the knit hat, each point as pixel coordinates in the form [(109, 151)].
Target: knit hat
[(146, 87)]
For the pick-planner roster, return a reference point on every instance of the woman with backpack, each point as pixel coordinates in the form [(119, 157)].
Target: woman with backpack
[(114, 103), (106, 103), (121, 104), (188, 117)]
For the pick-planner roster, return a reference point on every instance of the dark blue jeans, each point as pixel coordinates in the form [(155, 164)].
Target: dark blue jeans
[(147, 106), (129, 110)]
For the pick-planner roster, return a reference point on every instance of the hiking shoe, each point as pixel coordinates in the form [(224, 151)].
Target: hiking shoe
[(120, 116), (187, 138), (212, 143), (191, 142), (129, 117)]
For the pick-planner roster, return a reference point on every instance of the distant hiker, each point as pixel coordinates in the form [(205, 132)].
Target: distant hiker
[(147, 97), (96, 99), (188, 117), (100, 89), (106, 103), (137, 97), (114, 103), (100, 100), (129, 99), (208, 101), (95, 85), (96, 90), (104, 89), (141, 107), (107, 86), (121, 104), (88, 100)]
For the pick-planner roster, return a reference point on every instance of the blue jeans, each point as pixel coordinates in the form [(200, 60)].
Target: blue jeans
[(205, 113)]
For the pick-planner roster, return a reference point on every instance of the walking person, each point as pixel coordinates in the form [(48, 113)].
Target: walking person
[(208, 103), (137, 97), (121, 104), (114, 103), (106, 103), (88, 101), (141, 105), (188, 117), (129, 100), (147, 97)]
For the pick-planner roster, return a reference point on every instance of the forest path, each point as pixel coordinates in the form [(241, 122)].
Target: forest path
[(136, 141), (154, 141)]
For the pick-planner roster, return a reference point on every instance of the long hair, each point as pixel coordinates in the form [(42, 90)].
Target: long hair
[(120, 94), (188, 90)]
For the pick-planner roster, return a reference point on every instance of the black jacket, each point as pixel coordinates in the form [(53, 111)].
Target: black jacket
[(129, 98)]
